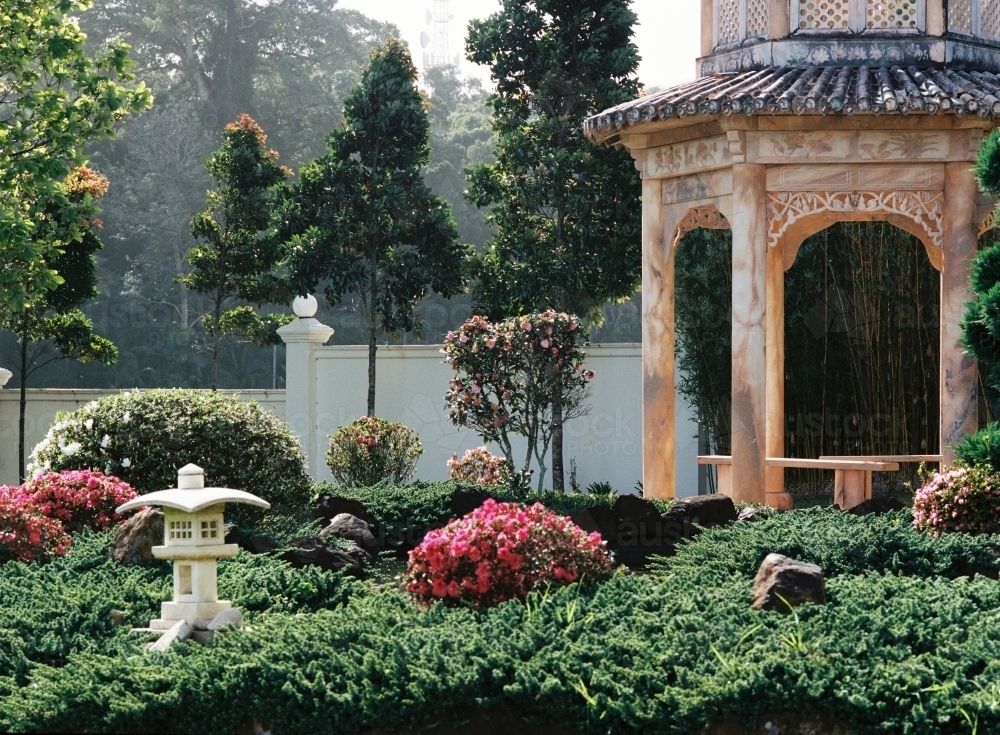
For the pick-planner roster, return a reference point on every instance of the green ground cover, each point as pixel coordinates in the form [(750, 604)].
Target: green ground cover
[(909, 642)]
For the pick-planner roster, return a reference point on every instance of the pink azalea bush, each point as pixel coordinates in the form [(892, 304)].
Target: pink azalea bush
[(25, 534), (965, 499), (503, 551), (78, 498), (481, 467)]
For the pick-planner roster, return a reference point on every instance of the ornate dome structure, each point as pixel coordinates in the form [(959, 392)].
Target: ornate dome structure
[(806, 113)]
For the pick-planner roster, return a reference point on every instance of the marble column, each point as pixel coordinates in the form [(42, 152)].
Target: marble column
[(658, 418), (959, 372), (775, 358), (749, 224)]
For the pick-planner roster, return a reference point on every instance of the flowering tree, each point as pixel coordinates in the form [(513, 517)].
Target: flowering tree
[(481, 467), (507, 375), (502, 551)]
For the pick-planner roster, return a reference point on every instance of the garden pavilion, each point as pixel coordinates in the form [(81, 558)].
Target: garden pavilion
[(806, 113)]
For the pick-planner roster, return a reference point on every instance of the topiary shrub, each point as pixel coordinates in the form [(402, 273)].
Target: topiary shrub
[(965, 499), (371, 450), (503, 551), (145, 437), (79, 499), (481, 467), (25, 534)]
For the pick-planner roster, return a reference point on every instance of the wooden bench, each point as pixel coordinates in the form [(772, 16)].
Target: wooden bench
[(852, 476)]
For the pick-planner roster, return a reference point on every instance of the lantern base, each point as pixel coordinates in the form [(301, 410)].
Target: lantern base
[(190, 612)]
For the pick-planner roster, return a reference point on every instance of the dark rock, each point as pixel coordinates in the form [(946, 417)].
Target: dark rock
[(354, 529), (607, 521), (798, 582), (632, 508), (117, 617), (465, 500), (361, 556), (136, 537), (328, 507), (753, 513), (585, 521), (314, 551), (876, 505), (255, 543), (704, 510)]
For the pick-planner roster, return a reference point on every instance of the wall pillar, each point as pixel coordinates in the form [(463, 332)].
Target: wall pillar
[(959, 372), (301, 338), (659, 448), (775, 356), (749, 389)]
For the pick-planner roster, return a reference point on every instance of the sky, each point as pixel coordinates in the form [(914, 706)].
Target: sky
[(668, 34)]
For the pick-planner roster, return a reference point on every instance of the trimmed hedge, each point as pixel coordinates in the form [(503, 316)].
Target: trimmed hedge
[(145, 437), (894, 651)]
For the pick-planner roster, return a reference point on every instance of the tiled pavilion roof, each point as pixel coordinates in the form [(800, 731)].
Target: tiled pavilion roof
[(813, 89)]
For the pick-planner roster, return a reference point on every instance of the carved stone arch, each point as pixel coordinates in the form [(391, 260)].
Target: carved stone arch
[(706, 216), (794, 216)]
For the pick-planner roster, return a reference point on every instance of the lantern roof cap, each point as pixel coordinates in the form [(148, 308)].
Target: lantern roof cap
[(191, 495)]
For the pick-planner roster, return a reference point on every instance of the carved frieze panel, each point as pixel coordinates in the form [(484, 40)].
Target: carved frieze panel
[(688, 157), (806, 177), (708, 217), (924, 208), (865, 145), (699, 186)]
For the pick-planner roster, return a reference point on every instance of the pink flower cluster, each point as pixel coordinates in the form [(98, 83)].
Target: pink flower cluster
[(502, 551), (37, 517), (479, 466), (78, 498), (965, 499)]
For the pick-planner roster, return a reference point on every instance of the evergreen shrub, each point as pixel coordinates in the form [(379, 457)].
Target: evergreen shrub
[(503, 551), (982, 448), (371, 450), (145, 437)]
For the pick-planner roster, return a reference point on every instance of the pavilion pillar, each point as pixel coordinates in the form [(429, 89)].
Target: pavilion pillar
[(658, 412), (775, 356), (959, 372), (749, 371)]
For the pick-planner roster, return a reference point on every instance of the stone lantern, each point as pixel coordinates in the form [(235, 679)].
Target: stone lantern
[(193, 539), (806, 113)]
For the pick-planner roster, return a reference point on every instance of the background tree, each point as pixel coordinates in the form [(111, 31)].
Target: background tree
[(237, 257), (56, 99), (50, 326), (566, 213), (362, 220)]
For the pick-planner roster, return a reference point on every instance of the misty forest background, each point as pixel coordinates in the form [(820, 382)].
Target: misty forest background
[(861, 300)]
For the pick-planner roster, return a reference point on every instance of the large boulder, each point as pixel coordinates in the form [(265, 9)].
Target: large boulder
[(350, 528), (255, 543), (607, 521), (754, 513), (465, 500), (328, 507), (135, 538), (782, 582), (703, 510), (639, 532), (314, 551)]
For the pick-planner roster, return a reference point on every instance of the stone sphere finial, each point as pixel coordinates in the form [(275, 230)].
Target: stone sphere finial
[(190, 477), (305, 306), (4, 376)]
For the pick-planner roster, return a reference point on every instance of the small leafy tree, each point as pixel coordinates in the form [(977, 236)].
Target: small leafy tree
[(56, 99), (50, 326), (507, 374), (566, 212), (371, 450), (361, 218), (237, 257)]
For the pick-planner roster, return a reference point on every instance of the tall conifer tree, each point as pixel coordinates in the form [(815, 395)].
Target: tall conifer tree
[(361, 220), (566, 212)]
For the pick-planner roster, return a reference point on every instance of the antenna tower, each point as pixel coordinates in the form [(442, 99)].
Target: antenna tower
[(439, 53)]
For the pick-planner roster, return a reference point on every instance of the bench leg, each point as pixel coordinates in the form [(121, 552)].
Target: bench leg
[(851, 487), (725, 483)]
